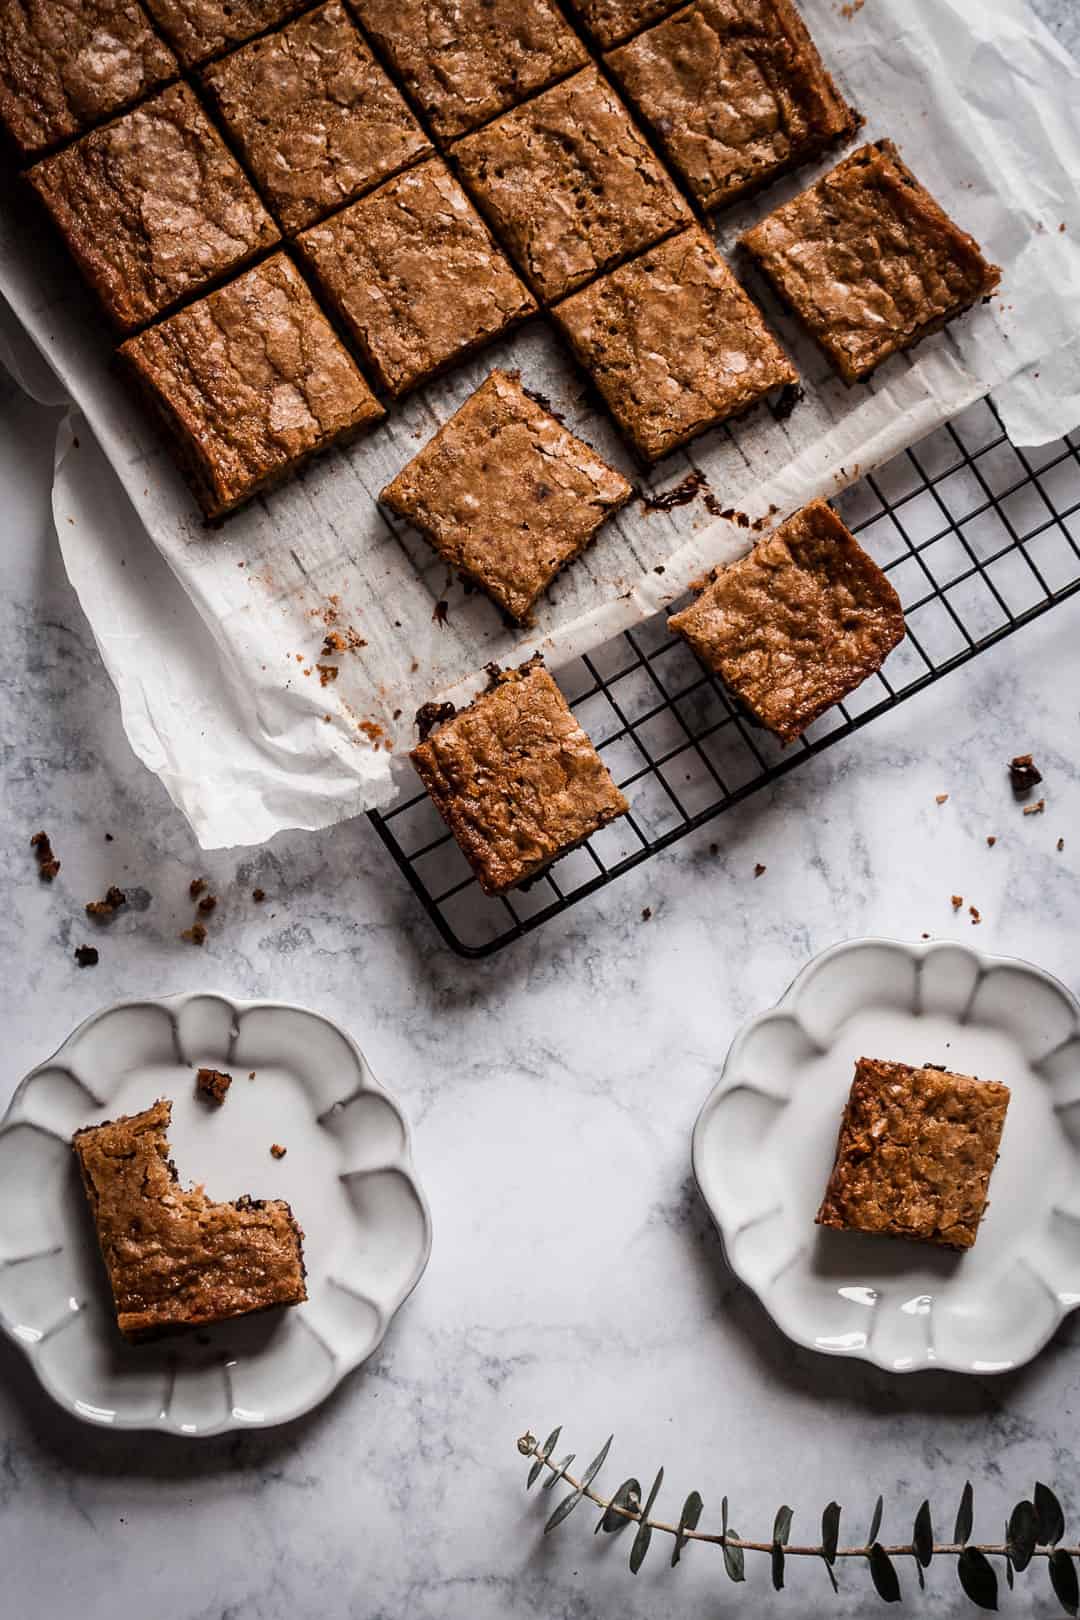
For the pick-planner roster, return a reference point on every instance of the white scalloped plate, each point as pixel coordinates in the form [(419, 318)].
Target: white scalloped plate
[(347, 1173), (764, 1142)]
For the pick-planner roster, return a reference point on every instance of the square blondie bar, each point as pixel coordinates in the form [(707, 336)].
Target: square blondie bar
[(869, 262), (152, 207), (568, 184), (516, 779), (673, 343), (735, 95), (796, 624), (314, 116), (413, 275), (506, 493), (915, 1152), (248, 383), (176, 1258)]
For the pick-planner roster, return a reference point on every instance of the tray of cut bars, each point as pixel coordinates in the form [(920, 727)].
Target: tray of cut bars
[(579, 307)]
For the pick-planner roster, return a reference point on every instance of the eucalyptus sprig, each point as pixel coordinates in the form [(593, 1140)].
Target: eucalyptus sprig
[(1036, 1529)]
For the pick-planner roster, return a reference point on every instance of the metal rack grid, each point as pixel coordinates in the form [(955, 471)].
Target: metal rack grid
[(978, 538)]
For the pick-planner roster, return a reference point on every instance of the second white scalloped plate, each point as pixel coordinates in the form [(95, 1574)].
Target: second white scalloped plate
[(347, 1173), (764, 1141)]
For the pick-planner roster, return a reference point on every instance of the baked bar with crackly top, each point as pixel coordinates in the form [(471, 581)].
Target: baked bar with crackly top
[(506, 494), (414, 276), (153, 206), (796, 624), (516, 779), (735, 93), (176, 1258), (314, 116), (610, 21), (249, 382), (463, 61), (200, 29), (66, 65), (568, 184), (869, 262), (915, 1153), (673, 343)]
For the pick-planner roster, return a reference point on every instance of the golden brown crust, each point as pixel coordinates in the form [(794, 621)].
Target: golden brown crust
[(516, 779), (200, 29), (798, 623), (413, 274), (735, 92), (569, 185), (507, 494), (464, 61), (248, 383), (914, 1154), (869, 262), (673, 343), (176, 1258), (153, 206), (66, 65), (315, 118)]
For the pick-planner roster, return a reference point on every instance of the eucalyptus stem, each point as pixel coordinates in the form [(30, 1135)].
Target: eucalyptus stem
[(1035, 1530)]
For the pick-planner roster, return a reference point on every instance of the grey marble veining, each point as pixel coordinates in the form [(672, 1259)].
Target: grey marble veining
[(575, 1276)]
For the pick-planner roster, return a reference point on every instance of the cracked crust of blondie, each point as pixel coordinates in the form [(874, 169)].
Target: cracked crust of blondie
[(415, 277), (735, 93), (568, 185), (66, 65), (200, 29), (673, 343), (464, 61), (915, 1152), (506, 494), (609, 21), (249, 382), (314, 116), (869, 262), (516, 779), (152, 206), (176, 1258), (796, 624)]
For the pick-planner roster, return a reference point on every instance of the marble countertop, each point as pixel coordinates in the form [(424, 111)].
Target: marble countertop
[(575, 1277)]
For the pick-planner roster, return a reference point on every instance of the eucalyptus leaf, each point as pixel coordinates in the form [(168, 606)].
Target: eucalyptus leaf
[(1063, 1577), (883, 1574), (875, 1522), (644, 1531), (977, 1577), (965, 1515), (723, 1516), (830, 1532), (1022, 1533), (559, 1470), (778, 1566), (628, 1495), (564, 1510), (569, 1503), (534, 1473), (734, 1560), (688, 1520), (597, 1463), (1008, 1572), (549, 1444), (781, 1529), (832, 1577), (923, 1536), (1050, 1516)]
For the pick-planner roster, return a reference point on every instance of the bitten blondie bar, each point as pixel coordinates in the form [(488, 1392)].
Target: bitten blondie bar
[(176, 1258)]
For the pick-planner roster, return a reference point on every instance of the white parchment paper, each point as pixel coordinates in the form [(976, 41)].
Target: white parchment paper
[(214, 639)]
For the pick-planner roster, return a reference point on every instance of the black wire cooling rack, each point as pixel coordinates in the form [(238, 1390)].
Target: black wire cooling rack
[(978, 538)]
